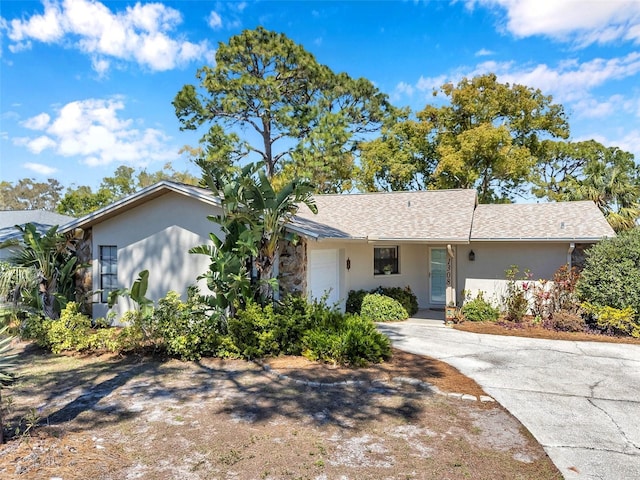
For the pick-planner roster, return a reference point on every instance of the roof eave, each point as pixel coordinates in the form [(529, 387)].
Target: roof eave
[(150, 192)]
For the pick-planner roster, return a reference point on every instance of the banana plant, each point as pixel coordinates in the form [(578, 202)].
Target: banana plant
[(136, 293), (7, 363)]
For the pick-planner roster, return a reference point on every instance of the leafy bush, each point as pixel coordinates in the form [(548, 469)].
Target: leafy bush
[(616, 321), (611, 275), (354, 301), (69, 332), (403, 295), (356, 343), (380, 308), (184, 329), (515, 300), (35, 327), (479, 310), (565, 321)]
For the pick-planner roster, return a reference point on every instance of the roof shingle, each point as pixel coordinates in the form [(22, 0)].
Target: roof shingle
[(540, 221), (432, 215)]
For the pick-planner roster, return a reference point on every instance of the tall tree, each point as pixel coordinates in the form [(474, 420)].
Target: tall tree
[(306, 120), (402, 158), (27, 194), (588, 170), (487, 137)]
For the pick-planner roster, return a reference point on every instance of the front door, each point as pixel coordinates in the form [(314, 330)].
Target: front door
[(438, 276), (323, 277)]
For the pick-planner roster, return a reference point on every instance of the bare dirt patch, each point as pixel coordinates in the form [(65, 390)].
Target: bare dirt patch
[(129, 418)]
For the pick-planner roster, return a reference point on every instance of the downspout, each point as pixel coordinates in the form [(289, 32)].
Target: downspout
[(572, 247)]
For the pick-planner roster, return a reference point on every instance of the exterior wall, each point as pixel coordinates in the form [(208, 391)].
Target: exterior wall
[(487, 272), (414, 268), (155, 236)]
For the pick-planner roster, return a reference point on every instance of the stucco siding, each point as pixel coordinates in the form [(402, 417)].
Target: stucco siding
[(155, 236), (414, 268), (487, 271)]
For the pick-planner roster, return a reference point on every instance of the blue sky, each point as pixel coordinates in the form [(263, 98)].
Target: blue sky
[(86, 86)]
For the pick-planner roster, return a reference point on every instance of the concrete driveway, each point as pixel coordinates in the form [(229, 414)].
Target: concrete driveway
[(581, 400)]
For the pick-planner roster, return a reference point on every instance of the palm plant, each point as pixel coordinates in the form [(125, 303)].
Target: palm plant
[(7, 363), (253, 221), (614, 185), (42, 270)]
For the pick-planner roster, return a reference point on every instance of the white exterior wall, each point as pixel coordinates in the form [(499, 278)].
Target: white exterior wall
[(414, 268), (487, 272), (155, 236)]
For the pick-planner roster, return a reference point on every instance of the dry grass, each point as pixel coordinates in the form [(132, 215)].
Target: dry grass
[(121, 418)]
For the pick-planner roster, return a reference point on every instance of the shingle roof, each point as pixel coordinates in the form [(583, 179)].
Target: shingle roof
[(148, 193), (41, 219), (540, 221), (431, 216)]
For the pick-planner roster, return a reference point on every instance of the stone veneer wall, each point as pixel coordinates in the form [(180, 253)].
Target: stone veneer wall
[(84, 276), (293, 267)]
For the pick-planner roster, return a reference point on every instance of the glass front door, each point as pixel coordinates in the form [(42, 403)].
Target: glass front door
[(438, 275)]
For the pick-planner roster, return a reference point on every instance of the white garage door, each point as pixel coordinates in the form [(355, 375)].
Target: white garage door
[(323, 275)]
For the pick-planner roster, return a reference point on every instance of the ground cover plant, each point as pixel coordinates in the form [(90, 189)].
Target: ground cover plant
[(110, 417), (562, 304)]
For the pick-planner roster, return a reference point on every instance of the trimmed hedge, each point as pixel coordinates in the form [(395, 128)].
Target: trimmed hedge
[(403, 295), (380, 308)]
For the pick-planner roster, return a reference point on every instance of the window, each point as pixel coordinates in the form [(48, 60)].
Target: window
[(385, 260), (108, 271)]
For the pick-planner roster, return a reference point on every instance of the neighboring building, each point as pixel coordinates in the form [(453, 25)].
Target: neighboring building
[(438, 242), (42, 219)]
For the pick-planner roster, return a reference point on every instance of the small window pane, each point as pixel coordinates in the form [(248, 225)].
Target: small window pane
[(108, 271), (385, 260)]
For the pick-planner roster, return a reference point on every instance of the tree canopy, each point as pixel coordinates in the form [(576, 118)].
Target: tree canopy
[(588, 170), (297, 116), (487, 137), (83, 200), (27, 194)]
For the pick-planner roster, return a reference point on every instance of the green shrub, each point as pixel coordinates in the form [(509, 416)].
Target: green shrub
[(611, 275), (380, 308), (479, 310), (253, 331), (515, 300), (565, 321), (354, 301), (356, 343), (35, 327), (403, 295), (616, 321), (187, 330), (69, 332)]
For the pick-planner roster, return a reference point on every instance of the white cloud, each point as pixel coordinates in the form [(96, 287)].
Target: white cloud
[(141, 34), (428, 84), (94, 130), (39, 122), (37, 145), (570, 80), (40, 168), (214, 20), (582, 22), (483, 52)]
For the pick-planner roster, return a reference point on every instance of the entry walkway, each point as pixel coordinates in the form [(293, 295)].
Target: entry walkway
[(580, 400)]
